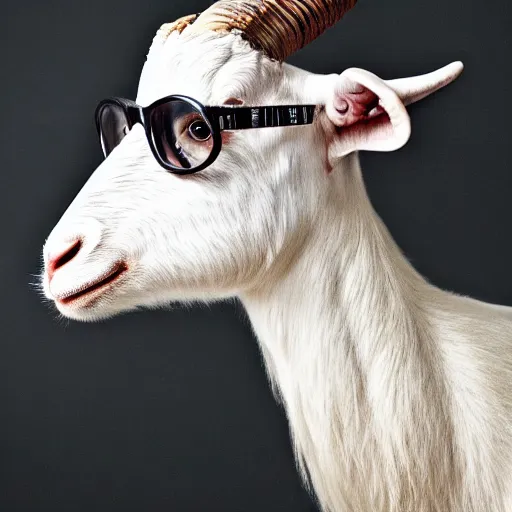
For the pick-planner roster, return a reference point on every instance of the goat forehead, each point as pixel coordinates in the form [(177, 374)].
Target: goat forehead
[(193, 65)]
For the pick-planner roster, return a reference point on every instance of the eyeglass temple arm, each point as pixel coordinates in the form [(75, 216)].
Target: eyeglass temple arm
[(240, 118)]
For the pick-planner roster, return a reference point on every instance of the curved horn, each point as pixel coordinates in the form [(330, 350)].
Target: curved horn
[(167, 29), (276, 27), (179, 25)]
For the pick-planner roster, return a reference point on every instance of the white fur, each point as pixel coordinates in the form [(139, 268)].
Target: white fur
[(398, 394)]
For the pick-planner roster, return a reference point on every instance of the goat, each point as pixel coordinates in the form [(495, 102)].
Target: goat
[(398, 394)]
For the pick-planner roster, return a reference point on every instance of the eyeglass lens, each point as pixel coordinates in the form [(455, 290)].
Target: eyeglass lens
[(182, 136), (114, 125)]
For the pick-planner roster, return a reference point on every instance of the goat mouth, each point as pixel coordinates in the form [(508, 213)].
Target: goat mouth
[(94, 289)]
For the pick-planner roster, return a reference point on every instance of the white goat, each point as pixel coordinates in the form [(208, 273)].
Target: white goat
[(398, 394)]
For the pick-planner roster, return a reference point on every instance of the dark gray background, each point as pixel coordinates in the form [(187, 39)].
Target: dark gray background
[(171, 410)]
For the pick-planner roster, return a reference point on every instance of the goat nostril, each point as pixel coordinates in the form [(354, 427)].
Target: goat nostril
[(61, 259)]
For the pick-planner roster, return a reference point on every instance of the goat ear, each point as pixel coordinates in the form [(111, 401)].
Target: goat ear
[(369, 113)]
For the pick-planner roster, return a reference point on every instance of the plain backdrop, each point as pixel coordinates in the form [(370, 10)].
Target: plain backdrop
[(171, 410)]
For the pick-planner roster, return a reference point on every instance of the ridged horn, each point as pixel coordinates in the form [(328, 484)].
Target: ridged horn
[(276, 27), (176, 26)]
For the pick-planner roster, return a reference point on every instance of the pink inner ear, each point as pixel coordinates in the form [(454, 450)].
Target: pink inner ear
[(358, 106), (367, 113)]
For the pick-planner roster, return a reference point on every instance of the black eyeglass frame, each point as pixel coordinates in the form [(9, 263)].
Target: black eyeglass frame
[(218, 119)]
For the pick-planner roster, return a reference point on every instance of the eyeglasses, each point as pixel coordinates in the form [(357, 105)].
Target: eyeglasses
[(185, 136)]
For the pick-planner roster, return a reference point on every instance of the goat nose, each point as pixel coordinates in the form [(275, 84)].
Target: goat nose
[(61, 256)]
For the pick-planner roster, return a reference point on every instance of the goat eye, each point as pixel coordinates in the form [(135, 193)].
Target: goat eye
[(199, 130)]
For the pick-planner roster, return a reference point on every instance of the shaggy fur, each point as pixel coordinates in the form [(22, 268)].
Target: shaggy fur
[(398, 394)]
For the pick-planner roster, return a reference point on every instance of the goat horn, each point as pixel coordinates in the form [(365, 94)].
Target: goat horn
[(276, 27), (176, 26)]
